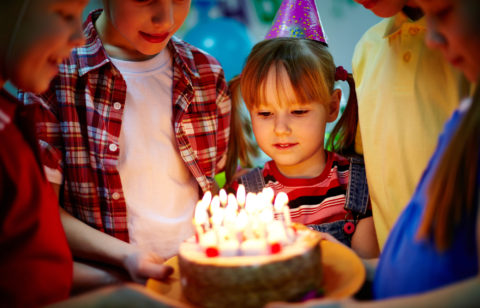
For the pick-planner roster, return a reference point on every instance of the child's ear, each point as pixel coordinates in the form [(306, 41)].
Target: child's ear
[(334, 105)]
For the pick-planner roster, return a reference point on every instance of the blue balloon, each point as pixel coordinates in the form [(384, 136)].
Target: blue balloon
[(224, 38)]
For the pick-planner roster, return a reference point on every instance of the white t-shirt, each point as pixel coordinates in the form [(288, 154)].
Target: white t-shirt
[(159, 190)]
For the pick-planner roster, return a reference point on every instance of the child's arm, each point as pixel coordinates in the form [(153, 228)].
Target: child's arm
[(364, 239), (90, 244), (85, 241)]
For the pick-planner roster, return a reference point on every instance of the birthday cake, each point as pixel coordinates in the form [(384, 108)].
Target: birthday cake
[(251, 256)]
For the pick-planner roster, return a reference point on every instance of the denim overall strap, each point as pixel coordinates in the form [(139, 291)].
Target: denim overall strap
[(357, 190), (253, 180)]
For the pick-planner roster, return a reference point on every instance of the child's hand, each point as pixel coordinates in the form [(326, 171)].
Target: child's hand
[(330, 238), (142, 265)]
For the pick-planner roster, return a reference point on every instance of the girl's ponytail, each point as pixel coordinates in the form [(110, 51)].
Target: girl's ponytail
[(342, 137), (241, 146)]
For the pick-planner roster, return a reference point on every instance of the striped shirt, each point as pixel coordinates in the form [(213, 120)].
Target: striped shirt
[(80, 124), (317, 200)]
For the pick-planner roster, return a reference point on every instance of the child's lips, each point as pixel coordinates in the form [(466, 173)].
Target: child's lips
[(154, 38), (284, 146), (456, 61)]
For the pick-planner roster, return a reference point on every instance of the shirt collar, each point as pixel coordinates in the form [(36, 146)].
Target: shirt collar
[(397, 22), (183, 56), (91, 55)]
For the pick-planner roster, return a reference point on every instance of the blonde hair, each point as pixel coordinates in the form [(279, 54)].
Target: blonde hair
[(308, 64), (311, 70)]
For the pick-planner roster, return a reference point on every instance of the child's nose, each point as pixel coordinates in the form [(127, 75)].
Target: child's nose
[(282, 126), (163, 14), (434, 39)]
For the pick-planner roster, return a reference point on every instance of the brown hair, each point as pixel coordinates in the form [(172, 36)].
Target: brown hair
[(311, 71), (454, 187)]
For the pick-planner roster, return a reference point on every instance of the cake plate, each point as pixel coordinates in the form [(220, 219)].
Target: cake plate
[(343, 275)]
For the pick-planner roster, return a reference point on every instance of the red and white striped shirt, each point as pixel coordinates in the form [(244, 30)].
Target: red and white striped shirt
[(316, 200)]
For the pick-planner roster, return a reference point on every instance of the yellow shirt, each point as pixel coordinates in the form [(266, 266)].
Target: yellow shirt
[(406, 92)]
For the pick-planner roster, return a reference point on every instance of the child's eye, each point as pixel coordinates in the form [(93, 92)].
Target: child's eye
[(299, 112), (66, 15), (264, 114), (442, 14)]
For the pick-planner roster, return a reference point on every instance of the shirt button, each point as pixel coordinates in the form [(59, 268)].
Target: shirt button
[(407, 56), (116, 196), (413, 31), (113, 147), (117, 106)]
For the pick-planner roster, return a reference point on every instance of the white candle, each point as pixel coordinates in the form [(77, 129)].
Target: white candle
[(200, 219), (209, 239), (276, 232), (214, 205), (253, 247), (286, 215), (232, 204), (229, 248)]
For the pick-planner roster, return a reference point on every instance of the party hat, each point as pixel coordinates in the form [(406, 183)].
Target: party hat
[(298, 18)]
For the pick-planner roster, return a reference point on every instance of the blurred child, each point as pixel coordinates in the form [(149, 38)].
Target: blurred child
[(398, 80), (133, 130), (35, 261), (288, 87)]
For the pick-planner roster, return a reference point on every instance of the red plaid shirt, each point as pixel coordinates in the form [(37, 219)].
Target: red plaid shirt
[(80, 124)]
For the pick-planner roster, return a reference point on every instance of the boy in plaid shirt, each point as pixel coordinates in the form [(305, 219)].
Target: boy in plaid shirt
[(132, 131)]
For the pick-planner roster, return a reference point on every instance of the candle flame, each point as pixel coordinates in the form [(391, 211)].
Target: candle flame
[(280, 201), (214, 205), (268, 194), (201, 215), (223, 197), (241, 195), (207, 197)]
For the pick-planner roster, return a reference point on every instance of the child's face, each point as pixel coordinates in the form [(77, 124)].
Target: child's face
[(384, 8), (139, 29), (449, 32), (292, 134), (47, 33)]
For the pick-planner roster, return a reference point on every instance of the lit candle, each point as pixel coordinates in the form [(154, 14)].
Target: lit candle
[(223, 197), (207, 197), (214, 205), (281, 206), (200, 219), (240, 224), (268, 195), (241, 195)]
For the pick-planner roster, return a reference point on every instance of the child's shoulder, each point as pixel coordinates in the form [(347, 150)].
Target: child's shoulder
[(338, 159), (194, 58)]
